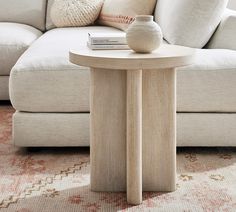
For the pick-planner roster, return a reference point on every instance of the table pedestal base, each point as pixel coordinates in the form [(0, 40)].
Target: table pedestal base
[(133, 136)]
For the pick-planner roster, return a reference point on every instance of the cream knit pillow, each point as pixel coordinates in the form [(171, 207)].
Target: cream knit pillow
[(121, 13), (71, 13)]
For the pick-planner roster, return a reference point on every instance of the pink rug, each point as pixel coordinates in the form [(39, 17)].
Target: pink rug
[(58, 180)]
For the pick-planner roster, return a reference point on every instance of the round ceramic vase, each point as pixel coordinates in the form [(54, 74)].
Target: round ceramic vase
[(144, 35)]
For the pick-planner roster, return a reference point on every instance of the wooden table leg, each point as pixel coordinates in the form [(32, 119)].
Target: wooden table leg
[(142, 111), (159, 130), (134, 136), (108, 130)]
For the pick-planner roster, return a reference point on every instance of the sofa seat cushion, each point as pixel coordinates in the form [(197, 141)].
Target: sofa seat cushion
[(14, 40), (208, 85), (43, 80)]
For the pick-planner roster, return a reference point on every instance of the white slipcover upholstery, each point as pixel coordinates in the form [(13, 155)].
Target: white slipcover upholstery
[(30, 12), (208, 85), (225, 35), (4, 94), (72, 129), (232, 4), (43, 80), (55, 93), (14, 40), (189, 22), (49, 23), (51, 129), (206, 129)]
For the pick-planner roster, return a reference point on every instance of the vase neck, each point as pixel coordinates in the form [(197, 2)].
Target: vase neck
[(144, 18)]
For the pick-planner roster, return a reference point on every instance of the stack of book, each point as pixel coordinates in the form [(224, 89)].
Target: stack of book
[(105, 41)]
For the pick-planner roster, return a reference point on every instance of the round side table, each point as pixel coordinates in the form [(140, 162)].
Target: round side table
[(133, 118)]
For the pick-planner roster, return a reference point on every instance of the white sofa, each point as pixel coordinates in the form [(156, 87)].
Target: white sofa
[(21, 23), (51, 95)]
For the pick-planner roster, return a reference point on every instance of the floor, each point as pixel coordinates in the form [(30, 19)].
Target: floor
[(57, 179)]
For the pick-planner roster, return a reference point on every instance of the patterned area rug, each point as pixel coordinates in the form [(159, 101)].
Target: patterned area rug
[(57, 179)]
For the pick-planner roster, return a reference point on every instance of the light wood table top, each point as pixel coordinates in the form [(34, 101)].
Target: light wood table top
[(167, 56)]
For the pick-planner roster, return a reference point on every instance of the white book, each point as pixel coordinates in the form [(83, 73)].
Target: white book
[(108, 47), (107, 38)]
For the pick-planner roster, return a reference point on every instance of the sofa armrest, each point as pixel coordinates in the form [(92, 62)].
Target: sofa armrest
[(225, 35)]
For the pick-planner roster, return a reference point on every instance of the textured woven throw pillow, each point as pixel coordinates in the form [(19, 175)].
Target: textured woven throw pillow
[(71, 13), (121, 13)]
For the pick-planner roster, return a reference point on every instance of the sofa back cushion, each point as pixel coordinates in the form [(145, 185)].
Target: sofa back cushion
[(189, 22), (49, 23), (224, 37), (30, 12)]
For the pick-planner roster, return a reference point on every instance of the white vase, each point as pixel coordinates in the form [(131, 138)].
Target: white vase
[(144, 35)]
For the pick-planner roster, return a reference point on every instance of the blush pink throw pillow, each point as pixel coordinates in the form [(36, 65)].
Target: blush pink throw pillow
[(121, 13)]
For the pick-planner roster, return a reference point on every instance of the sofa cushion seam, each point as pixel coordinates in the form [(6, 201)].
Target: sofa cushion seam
[(61, 70)]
